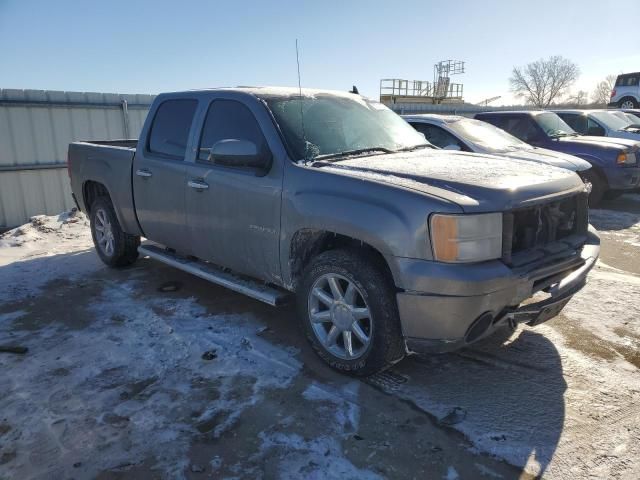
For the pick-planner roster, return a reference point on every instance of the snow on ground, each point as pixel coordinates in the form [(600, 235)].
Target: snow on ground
[(135, 383), (41, 239), (622, 225), (560, 399)]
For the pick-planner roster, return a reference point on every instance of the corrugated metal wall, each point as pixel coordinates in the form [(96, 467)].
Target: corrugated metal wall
[(36, 127)]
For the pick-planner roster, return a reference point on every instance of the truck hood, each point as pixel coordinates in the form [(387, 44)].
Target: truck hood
[(549, 157), (597, 142), (628, 134), (476, 182)]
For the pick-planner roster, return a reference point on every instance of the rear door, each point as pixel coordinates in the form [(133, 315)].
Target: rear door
[(159, 173), (234, 215)]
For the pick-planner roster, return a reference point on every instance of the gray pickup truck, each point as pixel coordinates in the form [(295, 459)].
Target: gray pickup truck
[(390, 245)]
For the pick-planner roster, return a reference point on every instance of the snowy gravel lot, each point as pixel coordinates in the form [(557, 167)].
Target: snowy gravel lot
[(126, 379)]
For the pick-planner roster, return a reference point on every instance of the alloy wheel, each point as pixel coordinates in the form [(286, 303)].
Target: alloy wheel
[(340, 317), (104, 233)]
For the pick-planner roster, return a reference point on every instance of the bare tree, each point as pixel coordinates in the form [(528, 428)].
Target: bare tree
[(544, 80), (578, 99), (602, 92)]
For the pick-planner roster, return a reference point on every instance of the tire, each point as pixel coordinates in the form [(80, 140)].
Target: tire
[(365, 312), (598, 187), (628, 102), (115, 247)]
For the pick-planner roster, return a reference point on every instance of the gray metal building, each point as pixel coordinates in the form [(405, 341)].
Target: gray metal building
[(36, 127)]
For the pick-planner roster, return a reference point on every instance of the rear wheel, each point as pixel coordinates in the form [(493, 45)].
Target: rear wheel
[(628, 102), (348, 310), (115, 247)]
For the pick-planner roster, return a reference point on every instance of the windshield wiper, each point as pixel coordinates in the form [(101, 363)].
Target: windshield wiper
[(563, 134), (416, 147), (347, 153)]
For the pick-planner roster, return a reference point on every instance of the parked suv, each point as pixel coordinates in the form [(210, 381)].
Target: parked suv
[(600, 123), (626, 92), (614, 161)]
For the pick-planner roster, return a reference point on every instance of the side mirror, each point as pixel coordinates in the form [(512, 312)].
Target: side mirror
[(452, 146), (596, 131), (237, 153)]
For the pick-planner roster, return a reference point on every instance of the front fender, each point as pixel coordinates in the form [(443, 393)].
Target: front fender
[(392, 220)]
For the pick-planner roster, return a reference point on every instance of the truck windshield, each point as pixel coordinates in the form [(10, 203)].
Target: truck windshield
[(323, 124), (553, 125), (487, 136)]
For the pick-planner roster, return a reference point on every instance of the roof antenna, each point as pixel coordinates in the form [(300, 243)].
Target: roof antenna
[(304, 136), (354, 90)]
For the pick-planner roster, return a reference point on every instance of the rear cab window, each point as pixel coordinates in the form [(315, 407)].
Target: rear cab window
[(169, 132)]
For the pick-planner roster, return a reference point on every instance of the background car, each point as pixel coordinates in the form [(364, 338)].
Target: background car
[(600, 123), (454, 132), (626, 92), (632, 114), (614, 161)]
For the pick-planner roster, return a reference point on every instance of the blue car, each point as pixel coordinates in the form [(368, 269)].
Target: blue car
[(614, 161)]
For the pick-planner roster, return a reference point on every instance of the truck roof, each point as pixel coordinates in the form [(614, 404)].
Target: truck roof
[(509, 112), (270, 91), (433, 117)]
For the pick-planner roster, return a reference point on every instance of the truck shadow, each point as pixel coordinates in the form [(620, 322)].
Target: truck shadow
[(506, 398)]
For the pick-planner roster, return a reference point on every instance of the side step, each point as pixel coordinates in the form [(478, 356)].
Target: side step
[(214, 274)]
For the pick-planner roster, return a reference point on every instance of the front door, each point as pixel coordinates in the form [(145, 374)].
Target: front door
[(233, 215), (159, 173)]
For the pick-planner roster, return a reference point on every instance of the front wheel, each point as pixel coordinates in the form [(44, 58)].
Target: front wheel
[(115, 247), (348, 310)]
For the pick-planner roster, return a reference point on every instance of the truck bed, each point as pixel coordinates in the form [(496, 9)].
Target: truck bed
[(128, 143), (108, 163)]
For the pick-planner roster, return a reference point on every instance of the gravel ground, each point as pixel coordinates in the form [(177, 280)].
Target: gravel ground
[(150, 373)]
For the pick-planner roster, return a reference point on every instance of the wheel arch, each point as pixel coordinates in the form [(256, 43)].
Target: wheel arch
[(307, 243)]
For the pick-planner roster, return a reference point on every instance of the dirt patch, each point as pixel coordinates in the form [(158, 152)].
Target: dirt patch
[(587, 342)]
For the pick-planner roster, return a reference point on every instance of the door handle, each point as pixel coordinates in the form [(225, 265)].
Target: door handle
[(198, 184), (143, 172)]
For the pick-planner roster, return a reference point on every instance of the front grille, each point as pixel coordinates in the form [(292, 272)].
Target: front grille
[(529, 234)]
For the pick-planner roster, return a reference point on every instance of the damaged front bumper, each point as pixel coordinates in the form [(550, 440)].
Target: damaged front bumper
[(452, 306)]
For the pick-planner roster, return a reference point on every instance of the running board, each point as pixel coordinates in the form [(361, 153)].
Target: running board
[(214, 274)]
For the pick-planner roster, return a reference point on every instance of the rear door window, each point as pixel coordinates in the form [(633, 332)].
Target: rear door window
[(170, 129), (629, 80)]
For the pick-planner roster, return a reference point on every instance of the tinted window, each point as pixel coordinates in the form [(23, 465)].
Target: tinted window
[(170, 128), (630, 80), (436, 135), (575, 121), (522, 127), (228, 119)]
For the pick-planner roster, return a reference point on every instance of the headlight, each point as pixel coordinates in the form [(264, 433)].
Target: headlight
[(626, 158), (466, 238)]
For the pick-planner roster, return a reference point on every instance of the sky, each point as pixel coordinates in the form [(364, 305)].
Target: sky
[(154, 46)]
